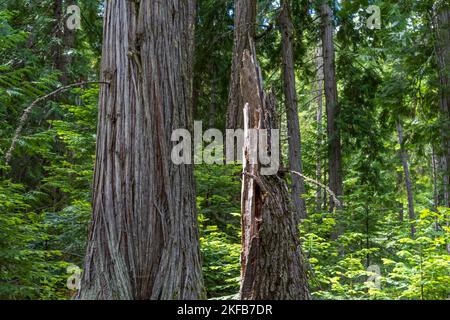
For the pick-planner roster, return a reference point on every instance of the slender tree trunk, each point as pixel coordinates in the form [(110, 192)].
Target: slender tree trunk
[(213, 101), (271, 258), (401, 214), (434, 166), (332, 106), (143, 241), (325, 182), (293, 124), (319, 120), (66, 37), (434, 174), (58, 31), (244, 33), (442, 49), (408, 183)]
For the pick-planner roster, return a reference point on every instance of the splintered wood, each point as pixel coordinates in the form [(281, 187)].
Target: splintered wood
[(271, 258)]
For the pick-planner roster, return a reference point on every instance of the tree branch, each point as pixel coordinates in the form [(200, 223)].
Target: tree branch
[(26, 113), (317, 183)]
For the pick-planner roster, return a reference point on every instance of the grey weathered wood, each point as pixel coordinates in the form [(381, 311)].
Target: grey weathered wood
[(244, 33), (272, 260)]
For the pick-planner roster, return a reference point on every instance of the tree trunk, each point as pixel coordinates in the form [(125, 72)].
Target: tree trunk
[(58, 32), (271, 258), (408, 183), (332, 106), (290, 94), (319, 78), (213, 102), (143, 241), (442, 48), (244, 33), (66, 39), (401, 214), (434, 167), (325, 182)]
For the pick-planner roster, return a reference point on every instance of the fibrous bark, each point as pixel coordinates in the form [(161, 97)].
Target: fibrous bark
[(143, 241), (244, 33), (271, 258), (293, 123)]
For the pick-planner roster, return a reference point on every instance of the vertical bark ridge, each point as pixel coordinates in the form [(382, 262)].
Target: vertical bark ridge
[(244, 32), (143, 241)]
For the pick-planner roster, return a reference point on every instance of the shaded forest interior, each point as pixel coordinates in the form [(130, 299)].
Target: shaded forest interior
[(93, 206)]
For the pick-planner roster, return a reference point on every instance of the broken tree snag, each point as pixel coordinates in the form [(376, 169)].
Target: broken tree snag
[(244, 33), (272, 260)]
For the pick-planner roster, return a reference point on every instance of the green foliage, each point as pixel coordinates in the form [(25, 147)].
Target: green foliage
[(383, 76), (26, 269), (410, 268), (221, 267), (218, 202)]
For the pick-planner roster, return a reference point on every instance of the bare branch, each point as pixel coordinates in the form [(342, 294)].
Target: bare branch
[(26, 113), (317, 183)]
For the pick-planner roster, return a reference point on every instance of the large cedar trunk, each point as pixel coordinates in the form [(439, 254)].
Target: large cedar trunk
[(294, 135), (143, 241), (271, 258), (332, 106), (244, 33)]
